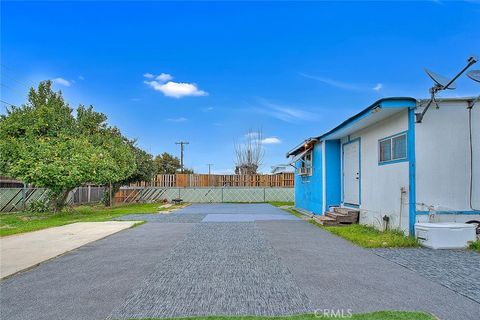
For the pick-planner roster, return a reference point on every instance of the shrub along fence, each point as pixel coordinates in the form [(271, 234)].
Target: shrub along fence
[(203, 194), (17, 199), (284, 180)]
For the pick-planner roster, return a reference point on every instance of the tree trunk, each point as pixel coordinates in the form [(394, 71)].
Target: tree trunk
[(60, 199)]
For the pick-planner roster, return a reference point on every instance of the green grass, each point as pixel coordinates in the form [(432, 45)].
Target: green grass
[(366, 236), (291, 210), (19, 222), (380, 315), (281, 203), (475, 246), (369, 237)]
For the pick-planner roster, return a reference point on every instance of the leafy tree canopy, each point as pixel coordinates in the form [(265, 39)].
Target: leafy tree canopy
[(145, 166), (166, 163), (44, 144)]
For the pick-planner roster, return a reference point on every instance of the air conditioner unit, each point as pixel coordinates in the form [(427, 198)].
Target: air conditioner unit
[(304, 171)]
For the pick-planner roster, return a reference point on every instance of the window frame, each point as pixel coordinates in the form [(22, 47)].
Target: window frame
[(392, 159), (307, 164)]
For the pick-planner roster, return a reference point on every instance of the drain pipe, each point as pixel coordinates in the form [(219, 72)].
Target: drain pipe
[(402, 192)]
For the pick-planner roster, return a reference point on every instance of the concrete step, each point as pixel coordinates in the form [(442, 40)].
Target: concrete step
[(342, 218), (326, 221)]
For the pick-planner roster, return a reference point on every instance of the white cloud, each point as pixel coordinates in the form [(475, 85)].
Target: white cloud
[(176, 89), (208, 109), (342, 84), (285, 113), (181, 119), (81, 77), (271, 140), (172, 89), (62, 82), (164, 77), (333, 83), (148, 75)]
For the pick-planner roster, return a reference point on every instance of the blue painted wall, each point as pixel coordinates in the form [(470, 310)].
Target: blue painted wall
[(308, 189), (333, 173)]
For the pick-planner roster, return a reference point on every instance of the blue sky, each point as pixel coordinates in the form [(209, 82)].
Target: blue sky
[(210, 72)]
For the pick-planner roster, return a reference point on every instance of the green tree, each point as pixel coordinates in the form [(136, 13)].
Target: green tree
[(166, 163), (145, 166), (145, 169), (43, 144)]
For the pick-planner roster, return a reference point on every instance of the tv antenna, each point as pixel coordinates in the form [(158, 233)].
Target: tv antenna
[(443, 83)]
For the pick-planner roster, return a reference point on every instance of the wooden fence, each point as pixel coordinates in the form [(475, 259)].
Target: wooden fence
[(282, 180)]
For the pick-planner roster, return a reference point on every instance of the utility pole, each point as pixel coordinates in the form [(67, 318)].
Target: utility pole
[(182, 147), (209, 167), (209, 171)]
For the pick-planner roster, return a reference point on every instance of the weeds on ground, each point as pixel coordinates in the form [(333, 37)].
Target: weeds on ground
[(475, 246)]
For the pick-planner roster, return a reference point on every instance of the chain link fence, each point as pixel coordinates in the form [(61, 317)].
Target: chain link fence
[(18, 199), (203, 194)]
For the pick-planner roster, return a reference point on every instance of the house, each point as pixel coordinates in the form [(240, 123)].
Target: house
[(394, 169), (6, 182), (281, 168)]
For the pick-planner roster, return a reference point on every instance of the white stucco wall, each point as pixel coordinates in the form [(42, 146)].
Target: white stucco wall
[(381, 185), (443, 160)]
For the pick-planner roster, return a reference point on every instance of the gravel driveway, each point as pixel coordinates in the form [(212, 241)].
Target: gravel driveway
[(235, 259)]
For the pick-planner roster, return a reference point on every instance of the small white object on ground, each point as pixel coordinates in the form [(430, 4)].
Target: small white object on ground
[(445, 235)]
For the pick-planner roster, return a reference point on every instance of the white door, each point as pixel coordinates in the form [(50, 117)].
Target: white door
[(351, 173)]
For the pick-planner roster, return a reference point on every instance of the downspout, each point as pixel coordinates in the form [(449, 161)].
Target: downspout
[(412, 199)]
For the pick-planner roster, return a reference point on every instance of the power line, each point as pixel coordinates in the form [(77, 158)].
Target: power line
[(14, 89), (6, 75), (8, 103)]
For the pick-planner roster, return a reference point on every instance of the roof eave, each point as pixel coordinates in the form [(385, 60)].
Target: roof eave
[(385, 102)]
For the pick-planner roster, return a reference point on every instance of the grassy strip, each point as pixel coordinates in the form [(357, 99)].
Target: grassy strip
[(19, 222), (475, 246), (290, 210), (281, 203), (380, 315), (367, 236)]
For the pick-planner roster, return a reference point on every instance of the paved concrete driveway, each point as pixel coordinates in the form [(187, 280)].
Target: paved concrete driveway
[(22, 251), (222, 259)]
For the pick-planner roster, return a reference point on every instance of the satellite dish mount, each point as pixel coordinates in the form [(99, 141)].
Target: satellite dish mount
[(442, 83)]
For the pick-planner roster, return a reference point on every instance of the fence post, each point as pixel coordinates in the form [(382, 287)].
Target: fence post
[(110, 195), (222, 194), (264, 195), (88, 194), (24, 202)]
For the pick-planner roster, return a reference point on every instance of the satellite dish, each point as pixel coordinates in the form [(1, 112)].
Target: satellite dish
[(440, 80), (474, 75)]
